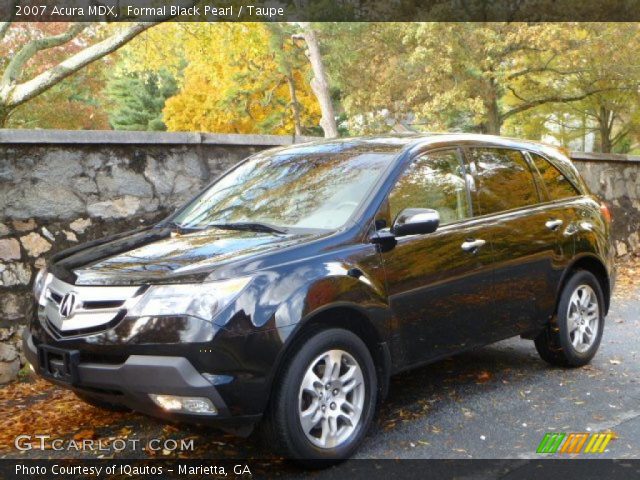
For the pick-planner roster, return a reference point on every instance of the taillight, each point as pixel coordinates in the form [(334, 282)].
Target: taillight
[(606, 213)]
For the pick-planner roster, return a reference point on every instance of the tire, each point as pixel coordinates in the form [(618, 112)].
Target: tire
[(566, 341), (291, 403), (98, 403)]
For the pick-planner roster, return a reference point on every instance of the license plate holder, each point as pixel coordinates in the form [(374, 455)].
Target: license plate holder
[(59, 364)]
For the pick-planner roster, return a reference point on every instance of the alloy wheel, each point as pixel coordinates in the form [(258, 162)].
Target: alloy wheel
[(583, 318), (331, 399)]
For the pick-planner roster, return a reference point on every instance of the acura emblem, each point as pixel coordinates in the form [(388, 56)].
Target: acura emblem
[(67, 305)]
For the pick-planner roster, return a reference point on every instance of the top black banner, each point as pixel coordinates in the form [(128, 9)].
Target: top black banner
[(320, 10)]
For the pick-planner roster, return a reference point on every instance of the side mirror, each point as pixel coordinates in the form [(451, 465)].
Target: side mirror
[(412, 221)]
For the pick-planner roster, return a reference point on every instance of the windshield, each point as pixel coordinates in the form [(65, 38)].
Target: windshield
[(317, 187)]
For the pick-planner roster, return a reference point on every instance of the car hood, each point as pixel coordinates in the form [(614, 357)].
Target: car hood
[(162, 255)]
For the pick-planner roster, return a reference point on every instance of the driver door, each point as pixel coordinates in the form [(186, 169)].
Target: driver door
[(439, 284)]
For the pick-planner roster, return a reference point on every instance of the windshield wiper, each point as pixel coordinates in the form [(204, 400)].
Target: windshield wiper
[(179, 227), (248, 226)]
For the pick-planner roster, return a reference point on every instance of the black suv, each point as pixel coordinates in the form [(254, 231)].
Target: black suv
[(292, 287)]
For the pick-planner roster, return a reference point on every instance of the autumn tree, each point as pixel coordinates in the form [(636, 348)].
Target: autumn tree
[(474, 74), (75, 103), (610, 64), (24, 47), (605, 62), (371, 77), (239, 78)]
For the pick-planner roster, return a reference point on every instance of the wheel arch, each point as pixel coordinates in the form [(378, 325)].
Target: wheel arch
[(592, 264), (349, 317)]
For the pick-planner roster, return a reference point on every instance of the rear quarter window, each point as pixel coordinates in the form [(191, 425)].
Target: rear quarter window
[(504, 180), (556, 183)]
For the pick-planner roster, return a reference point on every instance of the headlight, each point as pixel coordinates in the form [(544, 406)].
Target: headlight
[(202, 300), (40, 284)]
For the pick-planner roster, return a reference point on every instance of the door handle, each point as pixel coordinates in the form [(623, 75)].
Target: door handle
[(586, 226), (472, 245), (553, 224)]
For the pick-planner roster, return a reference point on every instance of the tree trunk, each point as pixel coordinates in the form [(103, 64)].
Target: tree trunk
[(4, 116), (493, 123), (295, 106), (605, 129), (319, 83)]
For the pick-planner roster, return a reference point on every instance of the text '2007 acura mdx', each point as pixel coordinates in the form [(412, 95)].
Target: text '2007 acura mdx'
[(290, 289)]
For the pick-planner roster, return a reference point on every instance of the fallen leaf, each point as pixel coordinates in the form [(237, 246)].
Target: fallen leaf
[(85, 435)]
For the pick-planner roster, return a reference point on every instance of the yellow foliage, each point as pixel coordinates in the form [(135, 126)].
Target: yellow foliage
[(232, 82)]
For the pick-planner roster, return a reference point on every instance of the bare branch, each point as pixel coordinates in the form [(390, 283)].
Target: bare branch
[(14, 69), (4, 26), (529, 104), (545, 69), (31, 88), (621, 134)]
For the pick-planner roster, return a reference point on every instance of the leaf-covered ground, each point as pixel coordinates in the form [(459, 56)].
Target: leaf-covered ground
[(628, 278), (494, 402), (33, 405)]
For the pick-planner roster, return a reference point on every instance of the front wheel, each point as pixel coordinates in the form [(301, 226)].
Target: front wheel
[(573, 336), (325, 401)]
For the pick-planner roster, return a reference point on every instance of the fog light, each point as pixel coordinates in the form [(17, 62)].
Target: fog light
[(174, 403)]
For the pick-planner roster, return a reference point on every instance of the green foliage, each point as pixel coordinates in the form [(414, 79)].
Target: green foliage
[(138, 99)]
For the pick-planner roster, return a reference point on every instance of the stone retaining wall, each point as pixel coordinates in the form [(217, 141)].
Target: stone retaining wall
[(616, 179)]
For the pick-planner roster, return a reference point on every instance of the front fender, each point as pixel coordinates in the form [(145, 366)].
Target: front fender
[(264, 321)]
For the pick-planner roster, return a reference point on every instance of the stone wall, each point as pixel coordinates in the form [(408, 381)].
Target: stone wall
[(60, 188), (616, 179)]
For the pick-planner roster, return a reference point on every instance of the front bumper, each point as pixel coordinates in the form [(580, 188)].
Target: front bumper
[(131, 382)]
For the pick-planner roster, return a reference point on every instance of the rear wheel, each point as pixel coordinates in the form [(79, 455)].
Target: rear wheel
[(573, 336), (324, 403)]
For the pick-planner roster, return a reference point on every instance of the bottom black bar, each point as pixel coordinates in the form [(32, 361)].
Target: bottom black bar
[(583, 469)]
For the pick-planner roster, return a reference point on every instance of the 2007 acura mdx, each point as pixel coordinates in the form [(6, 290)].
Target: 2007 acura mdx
[(292, 287)]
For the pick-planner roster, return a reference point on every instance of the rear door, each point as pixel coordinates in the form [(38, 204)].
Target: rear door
[(524, 235), (439, 284), (561, 205)]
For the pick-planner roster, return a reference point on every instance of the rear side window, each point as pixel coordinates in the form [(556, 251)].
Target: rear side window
[(434, 180), (504, 180), (558, 186)]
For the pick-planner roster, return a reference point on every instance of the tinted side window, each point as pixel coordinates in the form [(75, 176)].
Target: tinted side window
[(504, 180), (435, 180), (557, 185)]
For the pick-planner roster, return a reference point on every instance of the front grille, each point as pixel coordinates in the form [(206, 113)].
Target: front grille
[(79, 310), (55, 297), (85, 331), (102, 304)]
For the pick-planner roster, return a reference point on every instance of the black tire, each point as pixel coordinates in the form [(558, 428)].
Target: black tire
[(282, 427), (554, 343), (99, 403)]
